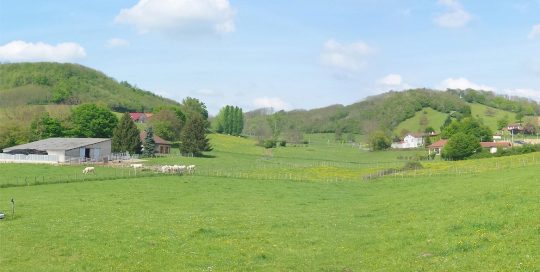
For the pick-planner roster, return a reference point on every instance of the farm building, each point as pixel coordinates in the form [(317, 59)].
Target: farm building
[(67, 149), (410, 141), (493, 146), (140, 117), (437, 146), (162, 146)]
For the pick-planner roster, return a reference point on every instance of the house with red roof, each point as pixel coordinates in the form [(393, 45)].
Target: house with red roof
[(140, 117)]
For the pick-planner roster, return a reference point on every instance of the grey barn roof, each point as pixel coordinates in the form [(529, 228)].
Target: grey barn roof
[(58, 144)]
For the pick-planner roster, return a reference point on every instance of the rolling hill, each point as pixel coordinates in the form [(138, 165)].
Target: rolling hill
[(397, 111), (71, 84)]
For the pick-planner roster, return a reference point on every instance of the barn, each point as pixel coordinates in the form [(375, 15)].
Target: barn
[(68, 149)]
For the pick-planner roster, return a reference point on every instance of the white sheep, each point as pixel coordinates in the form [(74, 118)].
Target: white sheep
[(191, 169), (136, 165), (88, 169)]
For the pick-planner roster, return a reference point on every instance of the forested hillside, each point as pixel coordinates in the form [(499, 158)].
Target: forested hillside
[(384, 111), (55, 83), (389, 111)]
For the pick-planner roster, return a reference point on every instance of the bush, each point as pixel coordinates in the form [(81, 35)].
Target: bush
[(412, 165), (283, 143), (269, 143)]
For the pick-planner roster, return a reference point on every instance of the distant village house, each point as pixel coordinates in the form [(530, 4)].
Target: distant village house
[(162, 146), (411, 140), (140, 117)]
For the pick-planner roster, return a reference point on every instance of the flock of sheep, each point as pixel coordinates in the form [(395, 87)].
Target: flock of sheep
[(180, 169)]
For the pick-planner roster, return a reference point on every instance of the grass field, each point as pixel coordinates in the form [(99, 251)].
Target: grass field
[(435, 119), (490, 115), (475, 221)]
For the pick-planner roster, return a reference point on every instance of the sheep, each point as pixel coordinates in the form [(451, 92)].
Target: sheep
[(191, 169), (136, 165), (165, 169), (178, 168), (88, 169)]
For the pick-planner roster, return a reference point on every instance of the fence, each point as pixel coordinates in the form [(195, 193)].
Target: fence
[(21, 158)]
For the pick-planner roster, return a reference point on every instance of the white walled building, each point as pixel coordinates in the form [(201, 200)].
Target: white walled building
[(410, 141), (67, 149)]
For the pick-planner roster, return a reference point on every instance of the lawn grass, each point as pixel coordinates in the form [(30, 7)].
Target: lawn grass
[(255, 217), (485, 222)]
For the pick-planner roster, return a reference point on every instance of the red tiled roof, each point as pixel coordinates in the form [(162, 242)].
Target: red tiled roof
[(135, 115), (494, 144), (438, 144), (157, 139)]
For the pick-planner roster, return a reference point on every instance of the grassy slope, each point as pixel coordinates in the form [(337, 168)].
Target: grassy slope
[(482, 221), (479, 111), (435, 120), (33, 83)]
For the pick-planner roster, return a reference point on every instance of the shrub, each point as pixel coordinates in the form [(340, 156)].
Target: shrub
[(283, 143), (412, 165), (269, 143)]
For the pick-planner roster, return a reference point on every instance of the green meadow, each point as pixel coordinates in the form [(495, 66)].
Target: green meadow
[(303, 208)]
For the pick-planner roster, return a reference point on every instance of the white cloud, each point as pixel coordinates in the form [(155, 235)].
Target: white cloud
[(393, 81), (348, 57), (18, 51), (270, 102), (454, 17), (116, 42), (524, 92), (535, 32), (463, 84), (180, 16)]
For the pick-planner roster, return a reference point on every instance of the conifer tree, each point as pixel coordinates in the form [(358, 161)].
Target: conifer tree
[(149, 145), (126, 136), (193, 138)]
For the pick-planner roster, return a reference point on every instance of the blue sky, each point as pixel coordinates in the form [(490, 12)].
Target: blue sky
[(284, 54)]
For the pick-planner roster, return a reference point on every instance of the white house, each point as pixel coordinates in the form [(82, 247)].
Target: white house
[(410, 141)]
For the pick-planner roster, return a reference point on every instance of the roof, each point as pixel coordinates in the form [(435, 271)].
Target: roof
[(494, 144), (157, 139), (416, 135), (135, 115), (58, 144), (438, 144)]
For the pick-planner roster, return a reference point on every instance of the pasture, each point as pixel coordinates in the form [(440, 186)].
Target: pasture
[(483, 220)]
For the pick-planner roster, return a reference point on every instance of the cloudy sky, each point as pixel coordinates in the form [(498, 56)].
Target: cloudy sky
[(284, 54)]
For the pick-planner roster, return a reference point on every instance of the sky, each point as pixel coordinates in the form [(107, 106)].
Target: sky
[(294, 54)]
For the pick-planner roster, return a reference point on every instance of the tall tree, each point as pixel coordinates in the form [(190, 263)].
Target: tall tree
[(193, 139), (167, 124), (149, 145), (45, 127), (126, 136), (92, 121), (230, 120), (461, 146), (193, 106)]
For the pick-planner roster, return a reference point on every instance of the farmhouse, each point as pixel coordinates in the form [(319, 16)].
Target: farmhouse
[(162, 146), (67, 149), (410, 141), (437, 146), (493, 146), (514, 128), (140, 117)]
